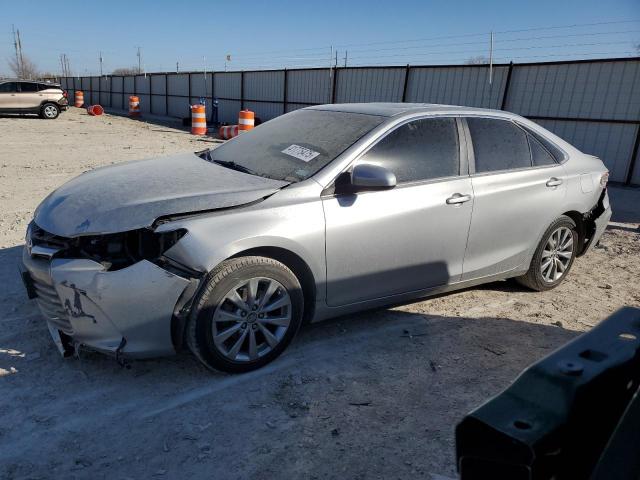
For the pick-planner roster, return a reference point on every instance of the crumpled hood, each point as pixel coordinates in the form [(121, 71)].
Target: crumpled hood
[(132, 195)]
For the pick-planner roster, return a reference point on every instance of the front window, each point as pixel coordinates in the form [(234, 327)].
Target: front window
[(420, 150), (8, 87), (295, 146)]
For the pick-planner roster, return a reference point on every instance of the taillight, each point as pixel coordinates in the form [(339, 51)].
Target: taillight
[(604, 178), (65, 94)]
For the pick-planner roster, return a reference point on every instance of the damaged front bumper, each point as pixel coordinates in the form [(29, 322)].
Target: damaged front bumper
[(125, 312)]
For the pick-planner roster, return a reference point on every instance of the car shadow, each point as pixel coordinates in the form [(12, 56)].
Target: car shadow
[(19, 115)]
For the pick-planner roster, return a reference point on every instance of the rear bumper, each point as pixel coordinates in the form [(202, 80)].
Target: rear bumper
[(127, 312)]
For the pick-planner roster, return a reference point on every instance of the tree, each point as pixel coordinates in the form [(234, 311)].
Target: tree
[(28, 69), (126, 71), (477, 60)]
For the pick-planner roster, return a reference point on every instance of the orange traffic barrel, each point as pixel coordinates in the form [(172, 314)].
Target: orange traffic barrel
[(134, 106), (198, 120), (246, 120), (95, 110), (228, 131), (79, 98)]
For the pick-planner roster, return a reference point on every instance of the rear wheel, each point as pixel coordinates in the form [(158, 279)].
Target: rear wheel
[(553, 257), (49, 111), (246, 315)]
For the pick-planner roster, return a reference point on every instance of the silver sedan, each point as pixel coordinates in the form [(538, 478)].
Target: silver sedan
[(321, 212)]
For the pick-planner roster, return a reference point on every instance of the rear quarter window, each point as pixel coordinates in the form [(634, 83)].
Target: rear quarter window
[(540, 156)]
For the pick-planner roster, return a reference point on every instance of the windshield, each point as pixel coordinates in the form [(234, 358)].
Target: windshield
[(294, 146)]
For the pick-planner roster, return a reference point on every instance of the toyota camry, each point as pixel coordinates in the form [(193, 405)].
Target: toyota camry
[(321, 212)]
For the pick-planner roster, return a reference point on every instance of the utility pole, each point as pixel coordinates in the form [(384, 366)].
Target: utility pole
[(21, 57), (177, 66), (139, 61), (345, 58), (15, 46), (491, 58), (101, 60), (335, 63), (330, 74)]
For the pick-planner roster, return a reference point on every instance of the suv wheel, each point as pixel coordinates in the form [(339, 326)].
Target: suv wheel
[(49, 111), (246, 315), (553, 257)]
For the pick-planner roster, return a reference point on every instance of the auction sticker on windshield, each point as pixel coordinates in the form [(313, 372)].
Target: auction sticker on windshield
[(301, 153)]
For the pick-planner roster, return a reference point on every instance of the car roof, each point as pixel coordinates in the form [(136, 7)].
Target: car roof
[(43, 82), (397, 109)]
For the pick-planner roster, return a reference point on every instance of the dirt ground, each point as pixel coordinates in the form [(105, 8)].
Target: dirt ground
[(375, 395)]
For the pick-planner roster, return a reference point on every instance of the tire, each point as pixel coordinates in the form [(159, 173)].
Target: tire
[(49, 111), (535, 279), (274, 284)]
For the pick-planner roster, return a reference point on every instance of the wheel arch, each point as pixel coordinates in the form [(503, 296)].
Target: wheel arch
[(584, 228)]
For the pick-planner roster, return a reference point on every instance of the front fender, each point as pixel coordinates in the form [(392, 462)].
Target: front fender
[(213, 238)]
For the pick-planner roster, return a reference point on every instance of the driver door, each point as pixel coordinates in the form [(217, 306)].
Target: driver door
[(407, 238)]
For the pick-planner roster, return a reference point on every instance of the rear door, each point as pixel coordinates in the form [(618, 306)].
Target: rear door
[(29, 96), (408, 238), (518, 191), (9, 95)]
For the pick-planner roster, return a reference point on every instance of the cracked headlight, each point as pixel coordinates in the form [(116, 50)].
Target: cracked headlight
[(119, 250)]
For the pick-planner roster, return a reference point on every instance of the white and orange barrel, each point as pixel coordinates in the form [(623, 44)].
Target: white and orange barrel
[(246, 120), (134, 106), (228, 131), (198, 120), (79, 98)]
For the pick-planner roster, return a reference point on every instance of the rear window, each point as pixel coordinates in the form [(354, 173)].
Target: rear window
[(498, 145), (295, 146), (47, 86), (28, 87)]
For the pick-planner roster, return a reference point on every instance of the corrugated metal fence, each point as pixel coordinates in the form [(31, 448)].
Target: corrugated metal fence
[(594, 104)]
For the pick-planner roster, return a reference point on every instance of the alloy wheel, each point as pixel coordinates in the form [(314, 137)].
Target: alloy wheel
[(252, 319), (50, 111), (557, 254)]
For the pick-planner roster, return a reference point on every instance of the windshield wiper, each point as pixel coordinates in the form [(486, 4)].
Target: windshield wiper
[(235, 166)]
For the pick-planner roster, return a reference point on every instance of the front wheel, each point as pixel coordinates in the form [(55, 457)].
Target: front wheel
[(49, 111), (246, 315), (553, 257)]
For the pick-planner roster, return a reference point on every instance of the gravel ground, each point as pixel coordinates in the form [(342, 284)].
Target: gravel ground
[(374, 395)]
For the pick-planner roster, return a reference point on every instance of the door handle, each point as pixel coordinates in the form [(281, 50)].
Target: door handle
[(553, 182), (458, 198)]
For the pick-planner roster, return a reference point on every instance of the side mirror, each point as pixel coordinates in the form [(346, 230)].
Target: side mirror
[(367, 176)]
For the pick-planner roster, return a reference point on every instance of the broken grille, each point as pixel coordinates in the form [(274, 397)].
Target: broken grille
[(51, 307)]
